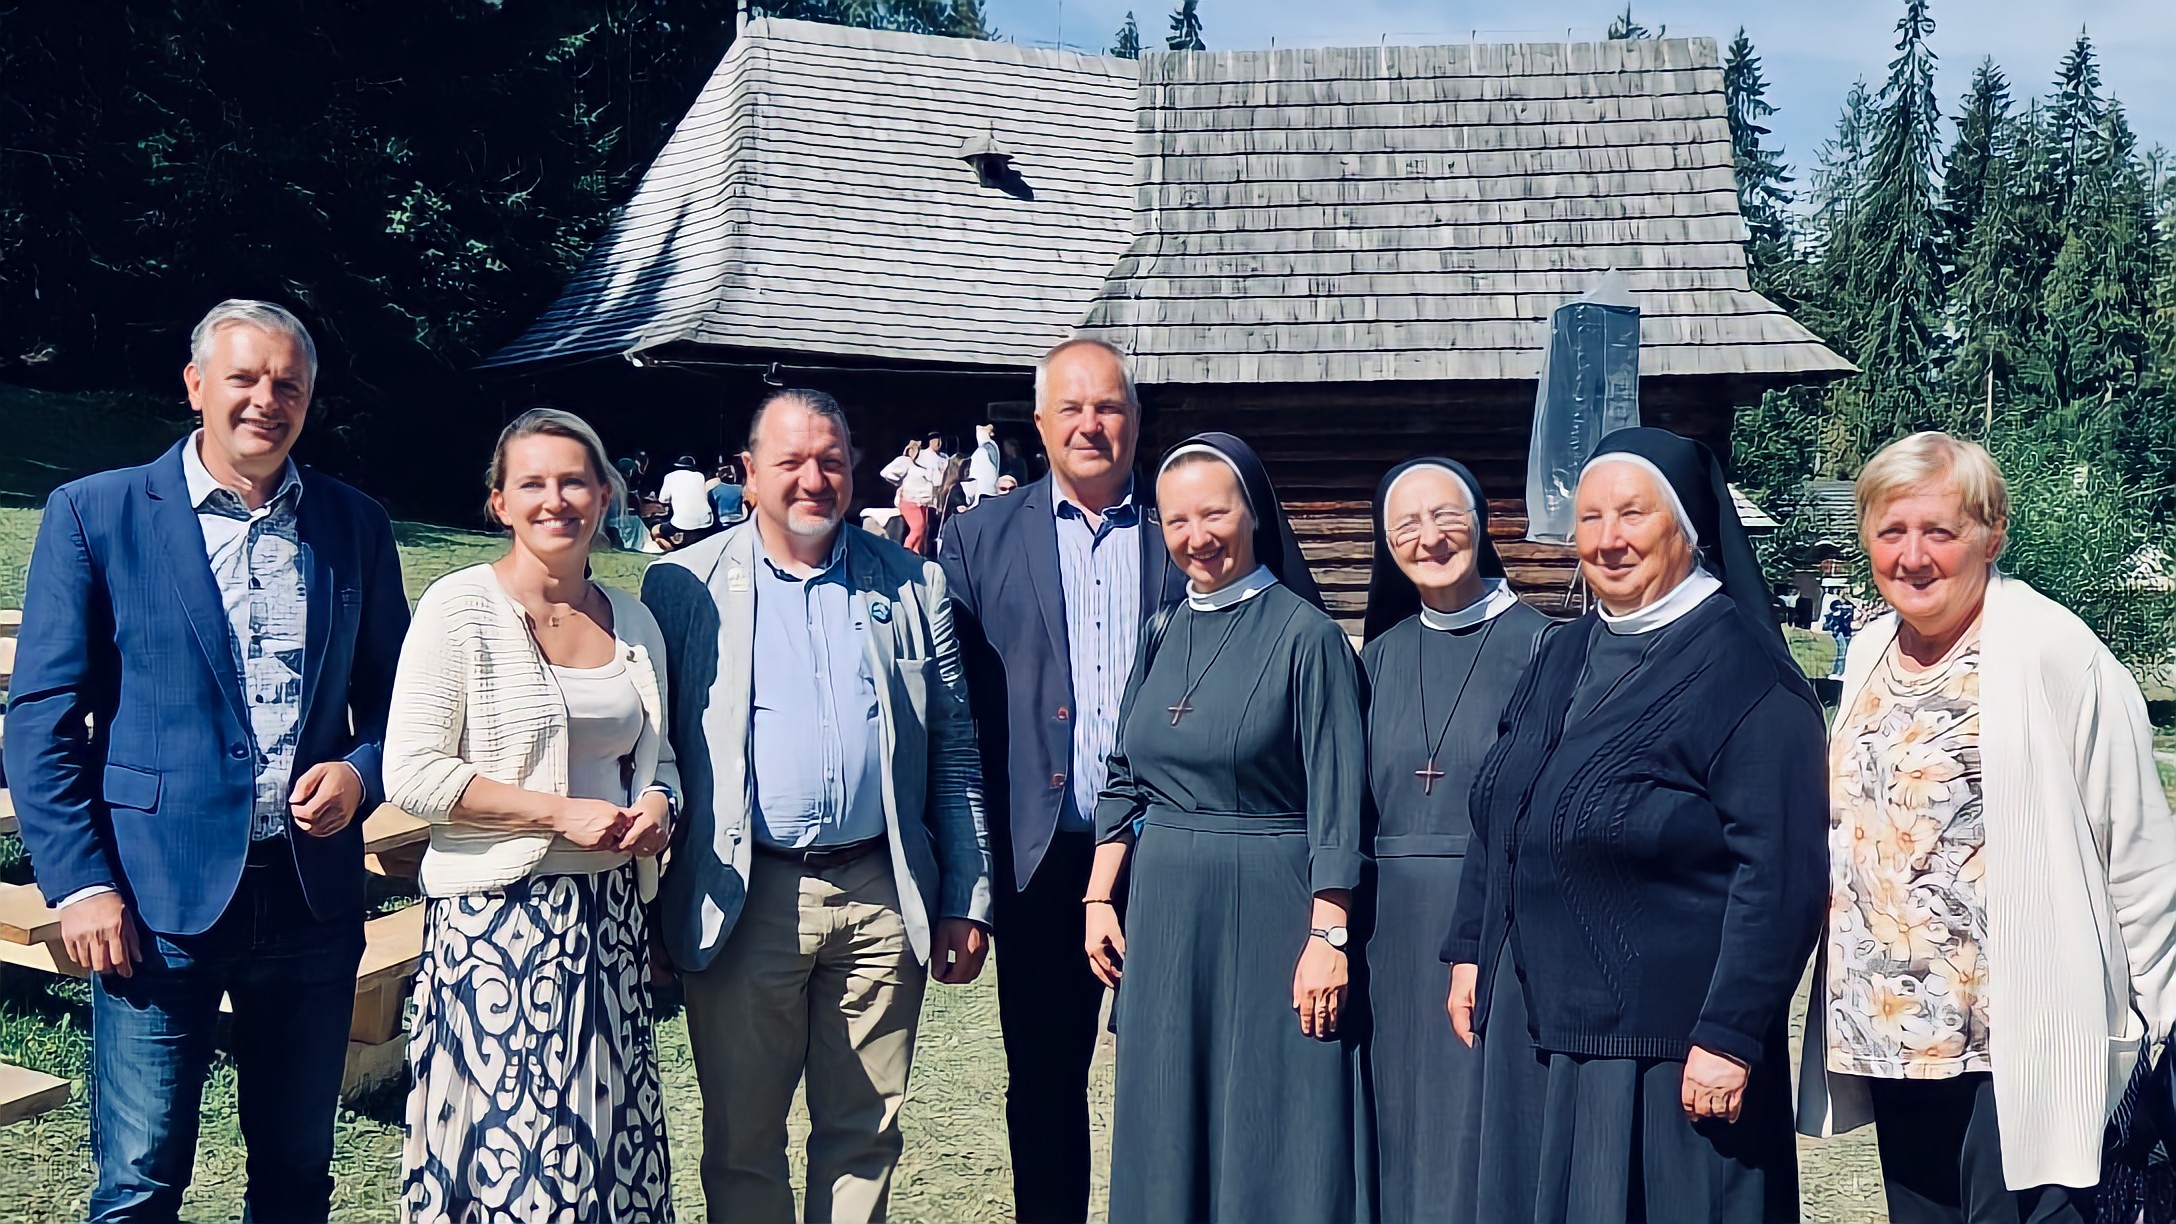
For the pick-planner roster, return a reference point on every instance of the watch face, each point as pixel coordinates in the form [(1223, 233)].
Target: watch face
[(1334, 936)]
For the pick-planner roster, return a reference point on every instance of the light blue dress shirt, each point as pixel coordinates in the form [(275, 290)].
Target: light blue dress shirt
[(1100, 569), (817, 733)]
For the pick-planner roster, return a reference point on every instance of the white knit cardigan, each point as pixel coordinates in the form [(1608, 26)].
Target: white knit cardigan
[(473, 698), (2080, 889)]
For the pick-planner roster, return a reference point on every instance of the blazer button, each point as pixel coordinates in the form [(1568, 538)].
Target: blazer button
[(1064, 714), (1056, 781), (238, 751)]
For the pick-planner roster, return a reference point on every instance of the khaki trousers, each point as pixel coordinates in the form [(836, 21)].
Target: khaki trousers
[(817, 976)]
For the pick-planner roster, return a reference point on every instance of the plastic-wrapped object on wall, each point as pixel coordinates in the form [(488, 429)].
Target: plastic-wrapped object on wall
[(1590, 385)]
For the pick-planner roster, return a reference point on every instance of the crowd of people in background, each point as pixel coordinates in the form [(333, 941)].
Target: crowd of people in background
[(1497, 919)]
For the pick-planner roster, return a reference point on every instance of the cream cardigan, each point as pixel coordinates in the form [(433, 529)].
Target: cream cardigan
[(2080, 888), (474, 698)]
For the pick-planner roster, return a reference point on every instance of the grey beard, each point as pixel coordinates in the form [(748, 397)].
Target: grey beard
[(807, 530)]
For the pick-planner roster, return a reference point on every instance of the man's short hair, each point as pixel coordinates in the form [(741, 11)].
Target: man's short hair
[(819, 402), (249, 312), (1125, 367)]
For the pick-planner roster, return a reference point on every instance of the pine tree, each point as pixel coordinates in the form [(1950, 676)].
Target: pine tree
[(1128, 43), (1898, 270), (1761, 176), (1186, 28)]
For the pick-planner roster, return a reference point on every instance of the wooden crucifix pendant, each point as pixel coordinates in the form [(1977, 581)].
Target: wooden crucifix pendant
[(1179, 711), (1428, 774)]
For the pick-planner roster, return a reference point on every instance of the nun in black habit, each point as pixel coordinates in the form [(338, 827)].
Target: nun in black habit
[(1447, 641), (1648, 876), (1236, 791)]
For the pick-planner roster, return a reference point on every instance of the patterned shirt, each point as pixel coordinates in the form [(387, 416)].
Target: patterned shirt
[(256, 560), (1100, 569), (1907, 936)]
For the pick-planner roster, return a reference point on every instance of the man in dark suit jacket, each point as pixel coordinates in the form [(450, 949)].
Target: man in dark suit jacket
[(200, 694), (1053, 586)]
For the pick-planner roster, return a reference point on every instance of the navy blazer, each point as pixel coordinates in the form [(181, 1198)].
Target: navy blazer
[(128, 746), (1000, 562)]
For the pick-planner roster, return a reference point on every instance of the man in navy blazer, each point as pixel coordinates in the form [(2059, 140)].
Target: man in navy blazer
[(199, 700), (1052, 587)]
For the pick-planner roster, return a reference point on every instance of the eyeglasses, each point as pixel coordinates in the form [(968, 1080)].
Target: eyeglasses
[(1448, 521)]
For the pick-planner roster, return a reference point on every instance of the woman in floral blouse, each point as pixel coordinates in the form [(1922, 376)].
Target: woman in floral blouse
[(2002, 868)]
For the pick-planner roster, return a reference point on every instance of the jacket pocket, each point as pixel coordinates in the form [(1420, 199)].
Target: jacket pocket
[(131, 788)]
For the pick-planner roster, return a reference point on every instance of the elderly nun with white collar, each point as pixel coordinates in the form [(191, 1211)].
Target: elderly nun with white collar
[(1235, 791), (1648, 871), (1447, 641)]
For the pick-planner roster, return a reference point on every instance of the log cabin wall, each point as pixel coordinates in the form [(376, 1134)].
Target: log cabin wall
[(1328, 445)]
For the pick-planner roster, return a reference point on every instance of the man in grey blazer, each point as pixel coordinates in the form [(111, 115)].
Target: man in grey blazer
[(831, 853)]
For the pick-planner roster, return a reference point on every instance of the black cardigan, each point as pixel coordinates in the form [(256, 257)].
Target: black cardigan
[(1660, 866)]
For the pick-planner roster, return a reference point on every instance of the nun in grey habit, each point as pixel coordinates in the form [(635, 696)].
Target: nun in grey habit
[(1235, 800), (1446, 643)]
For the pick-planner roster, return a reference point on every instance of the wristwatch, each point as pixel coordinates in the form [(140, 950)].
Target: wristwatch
[(1336, 936), (672, 800)]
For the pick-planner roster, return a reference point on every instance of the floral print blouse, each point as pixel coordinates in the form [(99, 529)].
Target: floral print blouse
[(1907, 929)]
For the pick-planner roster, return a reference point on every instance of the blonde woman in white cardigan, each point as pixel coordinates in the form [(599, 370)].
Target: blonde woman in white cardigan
[(2002, 915), (528, 726)]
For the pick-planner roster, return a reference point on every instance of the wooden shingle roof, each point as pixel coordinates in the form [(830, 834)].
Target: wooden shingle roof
[(1331, 215), (814, 200)]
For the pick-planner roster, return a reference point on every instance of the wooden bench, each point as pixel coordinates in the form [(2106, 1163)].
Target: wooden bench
[(11, 622), (25, 1093), (394, 841)]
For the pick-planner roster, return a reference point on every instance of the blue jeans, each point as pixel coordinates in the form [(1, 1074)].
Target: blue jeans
[(292, 980)]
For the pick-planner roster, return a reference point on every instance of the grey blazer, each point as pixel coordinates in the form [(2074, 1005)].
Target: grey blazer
[(704, 599)]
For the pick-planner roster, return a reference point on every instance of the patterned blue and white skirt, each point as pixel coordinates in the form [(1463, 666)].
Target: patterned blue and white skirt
[(536, 1094)]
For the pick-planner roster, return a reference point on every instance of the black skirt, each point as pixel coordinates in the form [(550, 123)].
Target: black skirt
[(1573, 1140)]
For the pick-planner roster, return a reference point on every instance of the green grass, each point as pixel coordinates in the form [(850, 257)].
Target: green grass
[(1815, 652)]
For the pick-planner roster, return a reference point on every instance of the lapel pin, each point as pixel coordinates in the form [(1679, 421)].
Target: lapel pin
[(736, 580)]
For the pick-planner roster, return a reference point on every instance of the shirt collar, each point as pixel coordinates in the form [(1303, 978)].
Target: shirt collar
[(1232, 594), (202, 486), (831, 562), (1120, 513), (1496, 599), (1668, 610)]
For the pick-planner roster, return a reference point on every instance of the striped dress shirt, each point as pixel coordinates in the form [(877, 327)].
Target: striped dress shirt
[(1100, 568)]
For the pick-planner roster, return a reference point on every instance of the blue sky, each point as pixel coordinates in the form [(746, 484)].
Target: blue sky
[(1811, 49)]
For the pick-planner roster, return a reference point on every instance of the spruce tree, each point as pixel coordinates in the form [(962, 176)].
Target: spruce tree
[(1127, 45), (1995, 307), (1897, 272), (1974, 158), (2075, 111), (1186, 28), (2101, 287), (1761, 176)]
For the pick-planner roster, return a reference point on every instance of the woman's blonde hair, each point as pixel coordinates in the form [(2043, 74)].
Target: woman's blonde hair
[(555, 423), (1935, 461)]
